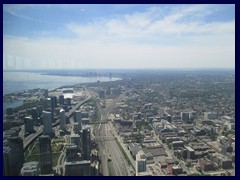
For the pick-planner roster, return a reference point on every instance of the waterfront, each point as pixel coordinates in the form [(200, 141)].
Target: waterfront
[(14, 82), (161, 122), (18, 81)]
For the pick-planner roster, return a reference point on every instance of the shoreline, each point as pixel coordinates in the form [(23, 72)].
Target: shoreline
[(17, 82), (21, 99), (53, 89)]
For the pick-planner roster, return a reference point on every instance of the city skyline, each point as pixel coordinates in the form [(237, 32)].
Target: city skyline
[(118, 36), (149, 123)]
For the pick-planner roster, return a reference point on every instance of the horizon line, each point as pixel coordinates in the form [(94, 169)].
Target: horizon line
[(163, 68)]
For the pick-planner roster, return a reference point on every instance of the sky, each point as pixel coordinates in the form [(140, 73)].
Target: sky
[(120, 36)]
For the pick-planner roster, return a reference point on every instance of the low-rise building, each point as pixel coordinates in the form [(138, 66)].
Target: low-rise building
[(30, 169), (177, 144), (175, 169), (206, 165), (78, 168)]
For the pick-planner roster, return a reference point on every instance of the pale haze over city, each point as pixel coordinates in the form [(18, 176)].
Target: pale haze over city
[(118, 36)]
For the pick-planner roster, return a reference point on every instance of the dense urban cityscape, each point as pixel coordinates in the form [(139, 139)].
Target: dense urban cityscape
[(149, 123)]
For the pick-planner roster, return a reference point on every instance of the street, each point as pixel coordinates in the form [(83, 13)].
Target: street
[(108, 148)]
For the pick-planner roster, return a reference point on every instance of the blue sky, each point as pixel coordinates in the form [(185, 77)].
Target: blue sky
[(118, 36)]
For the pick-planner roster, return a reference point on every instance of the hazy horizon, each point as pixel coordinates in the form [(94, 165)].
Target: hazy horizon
[(119, 69), (156, 36)]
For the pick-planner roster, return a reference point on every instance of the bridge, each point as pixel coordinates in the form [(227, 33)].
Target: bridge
[(30, 138), (70, 113), (27, 141)]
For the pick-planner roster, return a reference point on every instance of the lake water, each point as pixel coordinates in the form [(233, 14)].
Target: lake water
[(19, 81)]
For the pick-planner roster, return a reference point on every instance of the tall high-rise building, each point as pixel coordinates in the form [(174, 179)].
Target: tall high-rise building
[(46, 93), (62, 119), (46, 103), (61, 99), (86, 142), (71, 153), (47, 122), (29, 125), (53, 102), (34, 114), (76, 127), (77, 116), (140, 162), (7, 163), (75, 139), (17, 154), (45, 154), (68, 101), (39, 109)]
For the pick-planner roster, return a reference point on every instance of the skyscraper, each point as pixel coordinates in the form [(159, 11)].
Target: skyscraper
[(7, 163), (46, 93), (28, 124), (77, 116), (68, 101), (16, 155), (53, 102), (86, 143), (39, 109), (71, 153), (76, 127), (62, 119), (46, 103), (34, 114), (47, 122), (45, 154), (61, 99), (75, 139)]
